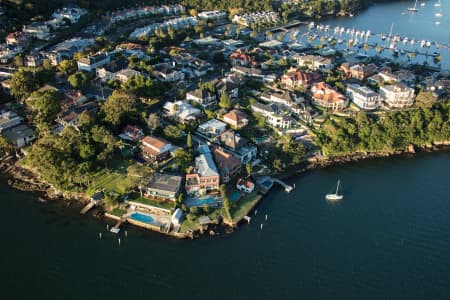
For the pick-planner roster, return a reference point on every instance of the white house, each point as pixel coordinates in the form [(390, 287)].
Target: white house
[(398, 95), (212, 128), (90, 63), (280, 121), (363, 97), (181, 110)]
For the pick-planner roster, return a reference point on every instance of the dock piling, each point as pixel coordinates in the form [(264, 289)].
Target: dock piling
[(261, 226), (119, 241)]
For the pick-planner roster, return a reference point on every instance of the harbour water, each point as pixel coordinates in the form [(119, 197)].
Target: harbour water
[(389, 237), (379, 19)]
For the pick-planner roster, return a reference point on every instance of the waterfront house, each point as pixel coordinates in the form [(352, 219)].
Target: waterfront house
[(236, 118), (163, 187), (363, 97), (204, 177), (155, 148), (295, 78), (397, 95), (181, 111), (90, 63), (19, 136), (229, 165), (325, 96), (205, 98), (212, 128), (245, 186), (9, 119), (247, 19)]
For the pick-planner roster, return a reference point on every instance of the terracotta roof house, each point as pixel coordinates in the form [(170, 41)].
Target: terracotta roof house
[(229, 166), (327, 97), (236, 118), (239, 58), (358, 71), (295, 78), (245, 185), (132, 133), (156, 149)]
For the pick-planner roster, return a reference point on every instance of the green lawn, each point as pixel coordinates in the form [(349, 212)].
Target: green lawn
[(117, 179), (119, 212), (137, 198), (244, 206)]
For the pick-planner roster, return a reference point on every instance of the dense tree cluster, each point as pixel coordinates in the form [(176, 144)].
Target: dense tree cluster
[(67, 161), (392, 131)]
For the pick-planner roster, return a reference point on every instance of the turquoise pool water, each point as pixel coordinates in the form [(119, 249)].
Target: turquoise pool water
[(205, 201), (235, 196), (142, 218)]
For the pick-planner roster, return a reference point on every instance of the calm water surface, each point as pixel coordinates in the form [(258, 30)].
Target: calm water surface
[(389, 237)]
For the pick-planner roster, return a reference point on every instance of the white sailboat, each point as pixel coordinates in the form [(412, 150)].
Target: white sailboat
[(337, 195), (413, 9), (437, 4)]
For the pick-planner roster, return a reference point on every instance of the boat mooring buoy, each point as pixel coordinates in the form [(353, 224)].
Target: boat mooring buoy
[(100, 235)]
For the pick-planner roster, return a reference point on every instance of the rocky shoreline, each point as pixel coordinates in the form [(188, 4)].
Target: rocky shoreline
[(24, 179)]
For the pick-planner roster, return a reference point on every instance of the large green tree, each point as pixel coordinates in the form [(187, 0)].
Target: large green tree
[(23, 83), (119, 107)]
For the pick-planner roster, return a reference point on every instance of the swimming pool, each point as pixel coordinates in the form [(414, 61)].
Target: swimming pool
[(142, 218), (205, 201)]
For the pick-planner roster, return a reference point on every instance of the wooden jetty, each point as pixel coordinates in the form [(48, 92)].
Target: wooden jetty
[(85, 209), (286, 187), (116, 228)]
